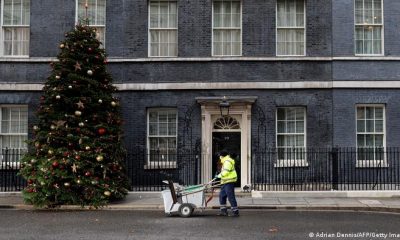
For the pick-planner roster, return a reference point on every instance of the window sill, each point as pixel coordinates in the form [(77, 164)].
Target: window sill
[(10, 165), (371, 164), (160, 166), (290, 163)]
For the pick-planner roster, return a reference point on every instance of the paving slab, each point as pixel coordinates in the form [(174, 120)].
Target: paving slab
[(320, 201), (370, 202), (266, 201), (293, 201)]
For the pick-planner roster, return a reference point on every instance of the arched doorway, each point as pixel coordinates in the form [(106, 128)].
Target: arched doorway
[(227, 136)]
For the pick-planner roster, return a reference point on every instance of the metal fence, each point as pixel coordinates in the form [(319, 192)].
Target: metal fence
[(326, 169), (10, 181), (147, 170), (271, 170)]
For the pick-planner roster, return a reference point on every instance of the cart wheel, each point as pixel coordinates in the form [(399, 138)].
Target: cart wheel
[(186, 210)]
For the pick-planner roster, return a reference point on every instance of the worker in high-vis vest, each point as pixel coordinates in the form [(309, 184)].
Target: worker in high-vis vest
[(228, 178)]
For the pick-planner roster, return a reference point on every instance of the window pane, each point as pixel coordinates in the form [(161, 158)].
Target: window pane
[(369, 140), (291, 126), (281, 127), (281, 114), (360, 125), (153, 129), (7, 12), (300, 141), (379, 140), (360, 140), (378, 113), (369, 112), (26, 12), (291, 114), (299, 127), (378, 126), (370, 126)]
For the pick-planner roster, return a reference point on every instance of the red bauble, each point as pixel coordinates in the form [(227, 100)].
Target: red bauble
[(90, 49), (66, 154), (30, 181), (77, 157), (55, 164), (87, 174), (101, 131)]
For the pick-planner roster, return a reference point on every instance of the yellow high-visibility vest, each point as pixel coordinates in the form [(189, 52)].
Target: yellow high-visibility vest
[(228, 173)]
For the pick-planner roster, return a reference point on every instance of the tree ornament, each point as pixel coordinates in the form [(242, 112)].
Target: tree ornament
[(70, 87), (107, 193), (87, 148), (94, 182), (74, 168), (55, 164), (58, 97), (100, 101), (101, 131), (42, 183), (35, 128), (50, 152), (80, 105), (33, 160), (52, 127), (99, 158), (90, 49), (113, 104), (81, 124), (67, 184), (77, 157), (77, 66), (58, 77), (62, 45), (78, 113), (90, 72), (78, 181), (30, 181), (87, 174)]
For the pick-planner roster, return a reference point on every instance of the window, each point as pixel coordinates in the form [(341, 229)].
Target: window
[(163, 29), (227, 28), (15, 17), (291, 143), (290, 31), (370, 134), (96, 13), (162, 136), (368, 27), (13, 132)]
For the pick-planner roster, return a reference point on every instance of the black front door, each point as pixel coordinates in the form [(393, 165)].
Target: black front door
[(229, 141)]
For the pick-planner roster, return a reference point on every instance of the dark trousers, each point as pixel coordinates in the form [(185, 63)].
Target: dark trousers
[(228, 191)]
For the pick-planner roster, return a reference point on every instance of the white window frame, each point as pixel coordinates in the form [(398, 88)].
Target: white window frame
[(365, 25), (371, 163), (160, 164), (11, 26), (224, 28), (149, 29), (20, 151), (291, 162), (304, 27), (97, 26)]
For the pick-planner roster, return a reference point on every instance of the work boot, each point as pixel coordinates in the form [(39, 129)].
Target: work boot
[(235, 213), (223, 212)]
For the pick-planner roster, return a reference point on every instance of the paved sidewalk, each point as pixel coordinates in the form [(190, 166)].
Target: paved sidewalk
[(153, 201)]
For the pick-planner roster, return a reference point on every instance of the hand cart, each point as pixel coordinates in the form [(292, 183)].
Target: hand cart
[(184, 200)]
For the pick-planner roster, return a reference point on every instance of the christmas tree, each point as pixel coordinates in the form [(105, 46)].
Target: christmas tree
[(76, 155)]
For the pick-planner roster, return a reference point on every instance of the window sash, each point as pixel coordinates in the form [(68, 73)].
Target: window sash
[(162, 128), (290, 28), (15, 31), (13, 127), (291, 133), (163, 29), (370, 128), (227, 28), (368, 29)]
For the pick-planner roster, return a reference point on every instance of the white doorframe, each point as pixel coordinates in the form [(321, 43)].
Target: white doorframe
[(242, 110)]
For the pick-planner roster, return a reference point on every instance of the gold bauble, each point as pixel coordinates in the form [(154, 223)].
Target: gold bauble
[(78, 113), (113, 104), (58, 77), (62, 45), (58, 97), (78, 181), (99, 158), (52, 127), (81, 124), (107, 193), (87, 148), (67, 184), (50, 152)]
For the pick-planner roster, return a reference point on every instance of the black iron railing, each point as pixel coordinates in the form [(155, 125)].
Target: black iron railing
[(271, 170), (326, 169), (10, 181)]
